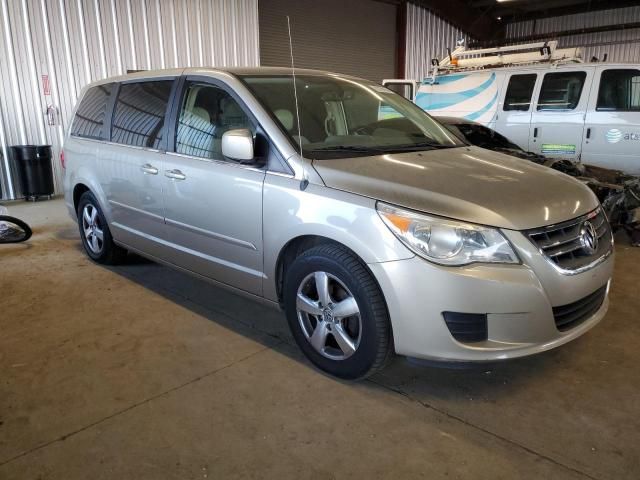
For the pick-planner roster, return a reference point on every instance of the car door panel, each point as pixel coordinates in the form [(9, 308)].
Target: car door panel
[(612, 126), (135, 197), (213, 206), (514, 116), (211, 233), (557, 123), (133, 160)]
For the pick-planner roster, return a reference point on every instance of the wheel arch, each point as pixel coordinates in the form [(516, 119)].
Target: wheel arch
[(84, 182), (300, 244), (78, 190)]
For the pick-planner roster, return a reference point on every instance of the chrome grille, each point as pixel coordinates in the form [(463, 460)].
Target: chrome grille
[(566, 245)]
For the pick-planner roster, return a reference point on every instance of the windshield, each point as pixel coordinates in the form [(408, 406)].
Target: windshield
[(342, 117)]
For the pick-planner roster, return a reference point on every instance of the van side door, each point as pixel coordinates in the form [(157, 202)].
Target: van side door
[(213, 204), (514, 111), (557, 121), (612, 127), (131, 162)]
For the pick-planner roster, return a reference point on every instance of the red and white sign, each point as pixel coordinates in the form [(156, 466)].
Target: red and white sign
[(46, 85)]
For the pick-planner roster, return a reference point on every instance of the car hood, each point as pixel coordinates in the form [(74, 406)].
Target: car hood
[(466, 183)]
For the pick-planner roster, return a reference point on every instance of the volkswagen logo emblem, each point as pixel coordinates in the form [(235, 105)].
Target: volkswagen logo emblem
[(327, 315), (588, 238)]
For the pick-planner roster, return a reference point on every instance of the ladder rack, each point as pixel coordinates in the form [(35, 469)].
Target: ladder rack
[(462, 59)]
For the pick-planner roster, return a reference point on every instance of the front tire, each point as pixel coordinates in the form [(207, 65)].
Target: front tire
[(95, 234), (337, 313)]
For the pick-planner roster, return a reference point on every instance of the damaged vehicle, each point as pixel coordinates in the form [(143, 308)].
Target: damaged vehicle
[(618, 192)]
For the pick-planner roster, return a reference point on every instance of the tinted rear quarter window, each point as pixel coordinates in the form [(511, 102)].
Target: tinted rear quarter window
[(619, 90), (139, 113), (561, 90), (519, 92), (91, 112)]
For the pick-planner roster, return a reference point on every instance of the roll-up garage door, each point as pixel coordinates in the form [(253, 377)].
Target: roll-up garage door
[(356, 37)]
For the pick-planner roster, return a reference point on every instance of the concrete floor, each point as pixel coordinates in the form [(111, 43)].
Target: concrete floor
[(141, 372)]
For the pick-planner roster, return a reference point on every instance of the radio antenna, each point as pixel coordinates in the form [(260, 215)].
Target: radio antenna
[(295, 94)]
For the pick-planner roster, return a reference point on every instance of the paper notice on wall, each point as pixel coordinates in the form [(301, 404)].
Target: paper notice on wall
[(46, 85)]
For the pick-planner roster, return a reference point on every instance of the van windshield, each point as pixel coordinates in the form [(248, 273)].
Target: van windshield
[(342, 117)]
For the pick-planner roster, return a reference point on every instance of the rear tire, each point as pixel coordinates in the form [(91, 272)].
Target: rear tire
[(95, 234), (337, 313)]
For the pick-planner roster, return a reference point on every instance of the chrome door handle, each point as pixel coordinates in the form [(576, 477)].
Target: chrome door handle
[(175, 174), (149, 169)]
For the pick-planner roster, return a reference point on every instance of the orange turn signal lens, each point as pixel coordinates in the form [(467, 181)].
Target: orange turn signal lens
[(398, 221)]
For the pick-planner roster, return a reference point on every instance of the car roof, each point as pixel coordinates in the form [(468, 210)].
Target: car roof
[(239, 71)]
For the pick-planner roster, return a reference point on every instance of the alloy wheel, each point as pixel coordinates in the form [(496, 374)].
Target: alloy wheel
[(329, 316), (92, 228)]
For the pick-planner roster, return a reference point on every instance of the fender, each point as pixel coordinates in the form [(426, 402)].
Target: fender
[(343, 217), (83, 175)]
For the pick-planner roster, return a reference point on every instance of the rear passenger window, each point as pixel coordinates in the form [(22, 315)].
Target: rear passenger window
[(90, 114), (619, 90), (519, 92), (206, 113), (561, 91), (138, 117)]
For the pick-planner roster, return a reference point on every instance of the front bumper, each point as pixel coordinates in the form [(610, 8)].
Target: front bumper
[(518, 301)]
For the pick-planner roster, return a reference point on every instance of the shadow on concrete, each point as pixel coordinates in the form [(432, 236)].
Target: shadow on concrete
[(445, 382), (237, 313), (70, 233), (440, 379)]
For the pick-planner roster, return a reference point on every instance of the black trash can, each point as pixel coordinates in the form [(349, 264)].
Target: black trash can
[(36, 171)]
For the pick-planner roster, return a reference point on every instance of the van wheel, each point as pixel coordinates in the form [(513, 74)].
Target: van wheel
[(337, 313), (95, 234)]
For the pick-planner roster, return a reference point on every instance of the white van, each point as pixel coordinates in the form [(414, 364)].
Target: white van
[(587, 112)]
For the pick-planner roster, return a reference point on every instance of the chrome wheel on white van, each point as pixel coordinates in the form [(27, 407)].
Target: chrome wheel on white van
[(329, 316), (336, 312)]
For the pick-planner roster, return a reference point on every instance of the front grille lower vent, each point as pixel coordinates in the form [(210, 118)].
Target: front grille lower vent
[(467, 327), (573, 314), (568, 245)]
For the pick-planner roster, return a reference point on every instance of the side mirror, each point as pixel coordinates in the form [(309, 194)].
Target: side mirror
[(237, 144)]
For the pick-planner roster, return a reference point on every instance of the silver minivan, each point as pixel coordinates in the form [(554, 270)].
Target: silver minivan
[(375, 233)]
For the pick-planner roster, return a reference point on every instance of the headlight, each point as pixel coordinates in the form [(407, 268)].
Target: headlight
[(445, 241)]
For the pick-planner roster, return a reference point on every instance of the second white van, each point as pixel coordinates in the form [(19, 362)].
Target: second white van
[(588, 112)]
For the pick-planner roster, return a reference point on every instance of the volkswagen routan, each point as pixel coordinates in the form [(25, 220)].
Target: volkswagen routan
[(374, 228)]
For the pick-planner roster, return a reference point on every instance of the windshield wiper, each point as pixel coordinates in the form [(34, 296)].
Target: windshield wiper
[(418, 146), (347, 148), (379, 149)]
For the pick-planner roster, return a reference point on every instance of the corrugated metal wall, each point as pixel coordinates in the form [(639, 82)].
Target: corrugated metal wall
[(621, 45), (75, 42), (428, 36), (356, 37)]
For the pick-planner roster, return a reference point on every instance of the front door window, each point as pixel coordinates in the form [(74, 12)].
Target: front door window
[(207, 112)]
